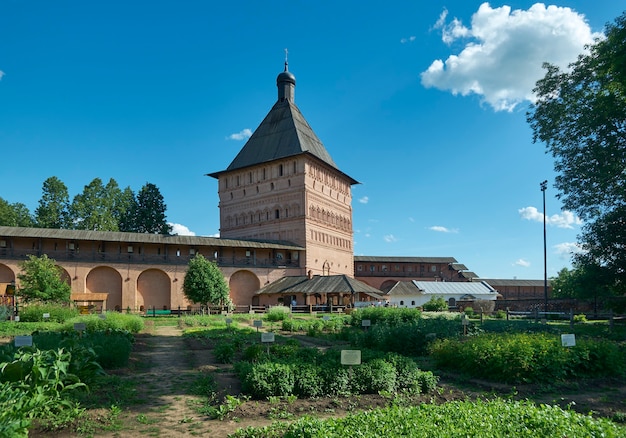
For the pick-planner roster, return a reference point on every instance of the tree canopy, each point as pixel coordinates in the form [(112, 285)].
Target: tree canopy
[(580, 114), (40, 280), (14, 215), (53, 209), (150, 210), (204, 283)]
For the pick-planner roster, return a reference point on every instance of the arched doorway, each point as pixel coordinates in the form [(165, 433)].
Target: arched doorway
[(243, 285), (107, 280), (154, 290)]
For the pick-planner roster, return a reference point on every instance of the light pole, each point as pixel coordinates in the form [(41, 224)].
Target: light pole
[(544, 186)]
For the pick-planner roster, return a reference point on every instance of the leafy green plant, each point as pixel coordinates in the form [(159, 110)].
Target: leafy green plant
[(58, 313), (581, 318), (277, 313), (435, 304), (224, 352)]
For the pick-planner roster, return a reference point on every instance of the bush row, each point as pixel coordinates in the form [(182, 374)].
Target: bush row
[(478, 418), (307, 372), (529, 358)]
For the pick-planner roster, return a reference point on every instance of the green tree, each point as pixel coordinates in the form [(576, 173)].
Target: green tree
[(15, 215), (125, 211), (580, 115), (53, 209), (94, 208), (150, 213), (40, 280), (204, 283)]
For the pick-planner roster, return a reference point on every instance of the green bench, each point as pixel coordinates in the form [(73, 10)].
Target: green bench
[(158, 312)]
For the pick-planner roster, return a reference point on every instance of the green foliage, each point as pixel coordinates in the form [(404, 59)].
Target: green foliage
[(582, 318), (409, 338), (269, 379), (46, 378), (277, 313), (435, 304), (14, 215), (204, 283), (387, 315), (112, 321), (58, 313), (472, 418), (224, 352), (149, 215), (40, 280), (53, 208), (589, 152), (529, 358)]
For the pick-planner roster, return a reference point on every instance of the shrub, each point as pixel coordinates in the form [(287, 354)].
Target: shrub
[(269, 379), (469, 311), (581, 318), (500, 314), (224, 352), (111, 321), (277, 313), (435, 304), (254, 353), (374, 377), (58, 313), (308, 381), (386, 315)]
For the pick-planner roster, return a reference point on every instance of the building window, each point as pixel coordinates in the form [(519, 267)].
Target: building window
[(237, 180), (402, 302), (412, 303), (372, 268), (280, 170), (384, 268), (264, 174), (397, 268), (277, 214), (359, 268), (433, 268)]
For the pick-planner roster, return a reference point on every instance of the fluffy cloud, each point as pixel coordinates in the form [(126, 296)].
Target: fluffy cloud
[(407, 40), (242, 135), (521, 262), (181, 230), (564, 220), (1, 74), (566, 249), (504, 51), (364, 200), (441, 229)]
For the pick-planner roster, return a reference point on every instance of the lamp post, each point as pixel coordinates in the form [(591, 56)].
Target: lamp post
[(544, 186)]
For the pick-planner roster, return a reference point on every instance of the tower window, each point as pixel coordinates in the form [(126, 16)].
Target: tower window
[(277, 214), (280, 170)]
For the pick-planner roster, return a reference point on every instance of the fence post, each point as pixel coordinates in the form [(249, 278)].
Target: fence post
[(179, 311), (571, 317), (611, 321), (536, 315), (481, 316), (507, 313)]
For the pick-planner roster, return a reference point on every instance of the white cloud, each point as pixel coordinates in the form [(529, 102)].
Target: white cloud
[(1, 74), (566, 249), (364, 200), (441, 229), (504, 51), (389, 238), (564, 220), (407, 40), (214, 235), (242, 135), (521, 262), (181, 230)]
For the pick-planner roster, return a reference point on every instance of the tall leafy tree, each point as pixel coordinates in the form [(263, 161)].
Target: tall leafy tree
[(580, 114), (15, 215), (126, 210), (53, 209), (204, 283), (150, 212), (93, 209), (40, 280)]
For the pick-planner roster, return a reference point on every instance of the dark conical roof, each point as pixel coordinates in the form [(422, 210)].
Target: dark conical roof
[(283, 133)]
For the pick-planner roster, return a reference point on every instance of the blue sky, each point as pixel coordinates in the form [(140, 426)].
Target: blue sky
[(422, 102)]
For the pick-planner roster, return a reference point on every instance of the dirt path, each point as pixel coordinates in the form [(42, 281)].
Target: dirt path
[(167, 405)]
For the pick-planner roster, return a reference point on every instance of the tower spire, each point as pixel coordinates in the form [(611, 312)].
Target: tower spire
[(286, 82)]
